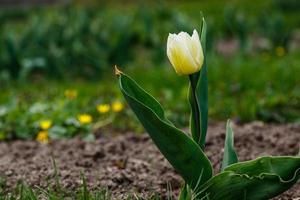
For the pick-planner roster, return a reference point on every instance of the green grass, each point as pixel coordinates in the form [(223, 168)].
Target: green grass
[(24, 192), (89, 39), (54, 191), (257, 87), (245, 88)]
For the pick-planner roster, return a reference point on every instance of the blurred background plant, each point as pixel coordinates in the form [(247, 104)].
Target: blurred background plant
[(56, 62)]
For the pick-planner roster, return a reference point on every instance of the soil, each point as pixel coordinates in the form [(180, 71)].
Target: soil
[(130, 163)]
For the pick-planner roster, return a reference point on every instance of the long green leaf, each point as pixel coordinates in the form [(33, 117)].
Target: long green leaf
[(202, 89), (180, 150), (198, 97), (195, 122), (230, 156), (259, 179)]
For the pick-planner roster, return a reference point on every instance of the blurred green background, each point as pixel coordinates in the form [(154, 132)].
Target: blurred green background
[(57, 59)]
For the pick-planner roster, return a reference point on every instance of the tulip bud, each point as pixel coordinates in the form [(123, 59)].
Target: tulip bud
[(185, 52)]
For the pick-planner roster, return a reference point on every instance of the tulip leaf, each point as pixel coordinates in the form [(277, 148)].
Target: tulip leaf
[(181, 151), (230, 155), (259, 179), (202, 89), (195, 123), (198, 97)]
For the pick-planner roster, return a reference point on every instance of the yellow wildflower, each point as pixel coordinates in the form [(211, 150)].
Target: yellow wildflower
[(280, 51), (85, 118), (45, 124), (103, 108), (43, 137), (117, 106), (71, 94)]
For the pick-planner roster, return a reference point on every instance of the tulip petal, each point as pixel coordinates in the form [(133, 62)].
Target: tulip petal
[(186, 39), (197, 51), (180, 55)]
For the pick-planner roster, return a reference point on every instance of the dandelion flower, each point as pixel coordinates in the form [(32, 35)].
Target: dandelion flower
[(117, 106), (85, 118), (103, 108), (43, 137), (45, 124)]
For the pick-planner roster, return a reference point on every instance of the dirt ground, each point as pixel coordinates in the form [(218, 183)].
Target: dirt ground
[(129, 163)]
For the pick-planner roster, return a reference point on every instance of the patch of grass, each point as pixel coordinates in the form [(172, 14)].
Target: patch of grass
[(246, 86), (83, 41), (257, 87), (243, 87), (25, 192), (2, 184), (22, 191)]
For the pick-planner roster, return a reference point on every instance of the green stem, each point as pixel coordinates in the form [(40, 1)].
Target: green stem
[(195, 108)]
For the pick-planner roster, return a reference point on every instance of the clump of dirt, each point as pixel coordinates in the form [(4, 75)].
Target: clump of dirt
[(128, 163)]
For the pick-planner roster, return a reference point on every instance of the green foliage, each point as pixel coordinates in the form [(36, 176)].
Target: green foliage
[(263, 178), (185, 193), (259, 179), (190, 161), (71, 41), (253, 84), (23, 108), (274, 27), (84, 41), (198, 92), (230, 157)]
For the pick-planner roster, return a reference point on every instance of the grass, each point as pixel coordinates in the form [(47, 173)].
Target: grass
[(215, 10), (244, 88), (24, 192)]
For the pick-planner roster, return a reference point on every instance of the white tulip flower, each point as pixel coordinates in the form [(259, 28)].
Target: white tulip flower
[(185, 52)]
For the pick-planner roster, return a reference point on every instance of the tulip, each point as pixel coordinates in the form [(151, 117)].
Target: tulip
[(185, 52)]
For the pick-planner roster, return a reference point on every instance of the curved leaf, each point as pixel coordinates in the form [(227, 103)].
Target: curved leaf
[(283, 166), (230, 156), (180, 150), (259, 179)]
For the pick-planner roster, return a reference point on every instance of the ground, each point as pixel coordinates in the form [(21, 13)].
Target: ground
[(129, 163)]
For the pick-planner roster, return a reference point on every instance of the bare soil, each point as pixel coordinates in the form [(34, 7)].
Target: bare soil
[(130, 163)]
